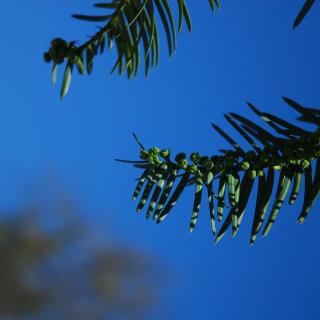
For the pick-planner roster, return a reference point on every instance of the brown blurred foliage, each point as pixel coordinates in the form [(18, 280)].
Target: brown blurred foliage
[(53, 267)]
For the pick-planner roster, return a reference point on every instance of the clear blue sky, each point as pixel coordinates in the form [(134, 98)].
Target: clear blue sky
[(246, 52)]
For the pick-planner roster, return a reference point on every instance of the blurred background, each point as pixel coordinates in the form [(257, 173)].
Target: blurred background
[(72, 246), (53, 266)]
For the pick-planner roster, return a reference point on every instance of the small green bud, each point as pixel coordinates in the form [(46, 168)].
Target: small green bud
[(193, 168), (152, 179), (163, 167), (244, 165), (183, 163), (165, 153), (195, 157), (208, 164), (252, 174), (154, 150), (154, 159), (260, 173), (305, 164), (293, 161)]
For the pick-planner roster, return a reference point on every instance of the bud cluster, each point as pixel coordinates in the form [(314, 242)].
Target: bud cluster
[(60, 50), (251, 161)]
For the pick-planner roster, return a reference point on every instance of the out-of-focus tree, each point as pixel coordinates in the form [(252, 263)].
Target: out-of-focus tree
[(51, 267)]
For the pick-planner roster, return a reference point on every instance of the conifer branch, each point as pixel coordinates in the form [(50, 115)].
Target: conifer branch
[(293, 152)]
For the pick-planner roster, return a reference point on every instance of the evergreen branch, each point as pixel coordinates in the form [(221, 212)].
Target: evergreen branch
[(132, 24), (237, 170)]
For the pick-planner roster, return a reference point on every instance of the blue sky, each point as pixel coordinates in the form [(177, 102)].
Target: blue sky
[(247, 51)]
